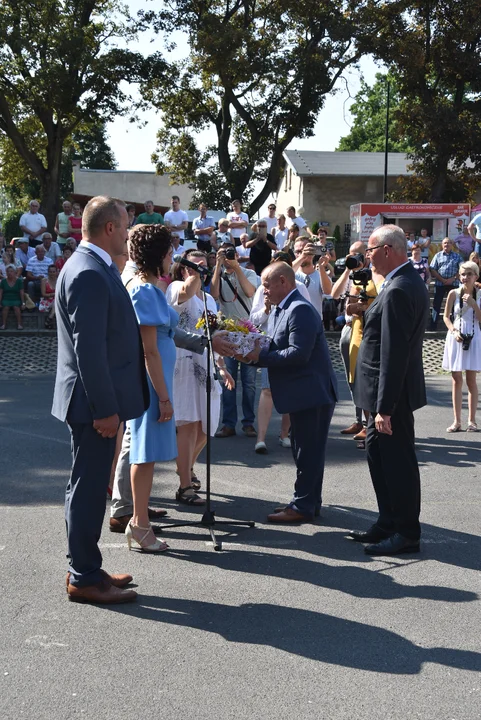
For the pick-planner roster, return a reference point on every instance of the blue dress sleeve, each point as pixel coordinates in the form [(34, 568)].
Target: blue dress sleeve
[(150, 305)]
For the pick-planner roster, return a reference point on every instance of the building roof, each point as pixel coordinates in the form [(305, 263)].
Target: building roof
[(317, 163)]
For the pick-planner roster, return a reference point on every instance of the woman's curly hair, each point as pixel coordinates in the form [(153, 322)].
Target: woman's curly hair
[(148, 246)]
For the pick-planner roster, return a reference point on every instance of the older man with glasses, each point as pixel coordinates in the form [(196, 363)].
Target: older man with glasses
[(389, 383)]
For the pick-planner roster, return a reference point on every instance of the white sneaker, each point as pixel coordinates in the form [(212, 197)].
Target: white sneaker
[(261, 448), (285, 442)]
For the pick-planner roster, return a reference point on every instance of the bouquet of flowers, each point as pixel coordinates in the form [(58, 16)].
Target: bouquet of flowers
[(242, 333)]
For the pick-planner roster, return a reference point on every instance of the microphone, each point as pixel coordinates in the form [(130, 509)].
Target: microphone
[(193, 266)]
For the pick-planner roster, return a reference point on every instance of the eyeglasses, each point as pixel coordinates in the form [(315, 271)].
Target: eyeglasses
[(375, 247)]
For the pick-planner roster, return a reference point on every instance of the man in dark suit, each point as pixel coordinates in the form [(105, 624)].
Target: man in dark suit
[(389, 383), (100, 382), (302, 383)]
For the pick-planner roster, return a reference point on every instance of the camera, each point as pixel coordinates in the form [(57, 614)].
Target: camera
[(320, 251), (361, 277), (354, 261), (466, 340), (230, 253)]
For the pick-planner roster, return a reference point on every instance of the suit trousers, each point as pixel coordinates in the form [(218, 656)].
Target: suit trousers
[(309, 432), (395, 473), (85, 501), (344, 343), (122, 500)]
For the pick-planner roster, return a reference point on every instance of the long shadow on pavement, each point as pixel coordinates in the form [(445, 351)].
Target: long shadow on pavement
[(441, 544), (312, 635)]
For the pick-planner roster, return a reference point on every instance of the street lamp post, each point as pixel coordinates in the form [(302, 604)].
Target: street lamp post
[(386, 142)]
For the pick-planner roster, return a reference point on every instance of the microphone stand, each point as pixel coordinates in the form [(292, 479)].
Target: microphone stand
[(208, 519)]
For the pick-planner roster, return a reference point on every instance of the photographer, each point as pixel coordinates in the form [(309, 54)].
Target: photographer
[(462, 350), (363, 292), (261, 244), (310, 266), (234, 287), (342, 288)]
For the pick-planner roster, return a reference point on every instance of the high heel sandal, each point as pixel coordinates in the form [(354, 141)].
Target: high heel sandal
[(194, 480), (156, 547), (188, 498), (472, 427), (455, 427)]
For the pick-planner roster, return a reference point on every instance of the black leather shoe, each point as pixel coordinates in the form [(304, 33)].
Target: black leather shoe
[(395, 545), (373, 535)]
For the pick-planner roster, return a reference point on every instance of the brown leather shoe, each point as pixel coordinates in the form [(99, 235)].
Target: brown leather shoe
[(226, 431), (288, 515), (119, 581), (249, 431), (104, 593), (352, 429), (119, 524), (281, 508), (361, 435)]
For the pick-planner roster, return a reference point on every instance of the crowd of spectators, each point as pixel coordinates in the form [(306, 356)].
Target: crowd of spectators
[(254, 245)]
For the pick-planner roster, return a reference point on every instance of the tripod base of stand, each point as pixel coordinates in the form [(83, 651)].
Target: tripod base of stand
[(209, 521)]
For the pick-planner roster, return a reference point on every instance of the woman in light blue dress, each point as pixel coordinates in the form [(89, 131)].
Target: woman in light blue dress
[(153, 434)]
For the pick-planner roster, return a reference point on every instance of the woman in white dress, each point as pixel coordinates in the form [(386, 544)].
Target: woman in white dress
[(462, 350), (184, 294)]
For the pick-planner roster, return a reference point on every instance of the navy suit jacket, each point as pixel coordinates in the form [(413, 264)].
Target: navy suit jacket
[(298, 361), (100, 366), (390, 359)]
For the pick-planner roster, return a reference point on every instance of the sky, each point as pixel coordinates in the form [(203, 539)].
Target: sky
[(133, 146)]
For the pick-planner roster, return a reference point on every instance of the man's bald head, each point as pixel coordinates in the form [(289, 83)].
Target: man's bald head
[(358, 247), (278, 280)]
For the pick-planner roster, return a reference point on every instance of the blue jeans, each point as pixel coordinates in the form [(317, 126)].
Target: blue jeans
[(229, 397), (477, 247)]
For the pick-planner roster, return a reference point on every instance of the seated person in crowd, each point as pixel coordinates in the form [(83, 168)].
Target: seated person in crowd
[(222, 236), (12, 296), (47, 291), (24, 252), (60, 262), (72, 244), (52, 249), (9, 258), (37, 269)]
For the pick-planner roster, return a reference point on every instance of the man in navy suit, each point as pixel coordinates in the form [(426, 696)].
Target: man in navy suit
[(302, 383), (100, 382), (389, 383)]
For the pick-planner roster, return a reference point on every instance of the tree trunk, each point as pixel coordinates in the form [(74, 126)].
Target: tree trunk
[(50, 183), (439, 185)]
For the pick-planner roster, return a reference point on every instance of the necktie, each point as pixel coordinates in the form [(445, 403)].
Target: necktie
[(277, 312)]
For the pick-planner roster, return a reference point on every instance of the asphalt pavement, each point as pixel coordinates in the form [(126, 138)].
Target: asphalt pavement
[(284, 622)]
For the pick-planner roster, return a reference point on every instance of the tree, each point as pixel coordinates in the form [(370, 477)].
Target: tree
[(369, 109), (59, 68), (258, 74), (435, 53), (88, 145)]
